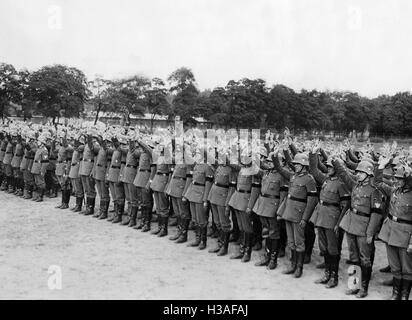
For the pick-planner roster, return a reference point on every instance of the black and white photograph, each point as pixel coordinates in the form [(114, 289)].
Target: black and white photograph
[(191, 150)]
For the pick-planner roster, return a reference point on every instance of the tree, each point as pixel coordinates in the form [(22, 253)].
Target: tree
[(181, 79), (58, 91), (10, 87), (100, 98), (155, 99)]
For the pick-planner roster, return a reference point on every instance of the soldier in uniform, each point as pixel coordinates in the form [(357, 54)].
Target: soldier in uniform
[(27, 164), (273, 191), (52, 183), (129, 173), (297, 209), (78, 147), (115, 185), (159, 179), (142, 182), (15, 163), (7, 163), (361, 222), (178, 184), (248, 186), (197, 194), (64, 155), (334, 201), (396, 231), (99, 175), (86, 174), (41, 161), (3, 146), (219, 196)]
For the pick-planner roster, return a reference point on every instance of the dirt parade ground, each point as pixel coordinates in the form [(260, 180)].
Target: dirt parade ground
[(101, 260)]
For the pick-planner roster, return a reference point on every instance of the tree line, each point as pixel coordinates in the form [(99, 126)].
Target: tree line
[(60, 91)]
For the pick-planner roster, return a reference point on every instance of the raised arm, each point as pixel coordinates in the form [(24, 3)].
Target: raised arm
[(343, 174), (285, 173), (313, 168)]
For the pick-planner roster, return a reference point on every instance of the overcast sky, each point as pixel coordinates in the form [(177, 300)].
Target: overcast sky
[(363, 46)]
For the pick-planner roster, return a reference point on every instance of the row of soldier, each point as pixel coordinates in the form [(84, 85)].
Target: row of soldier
[(282, 200)]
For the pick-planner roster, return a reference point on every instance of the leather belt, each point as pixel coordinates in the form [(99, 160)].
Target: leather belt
[(88, 160), (144, 170), (130, 166), (396, 219), (42, 161), (162, 174), (99, 165), (243, 191), (297, 199), (180, 178), (29, 158), (198, 184), (360, 213), (272, 196), (75, 163), (9, 152), (222, 185), (115, 167), (324, 203)]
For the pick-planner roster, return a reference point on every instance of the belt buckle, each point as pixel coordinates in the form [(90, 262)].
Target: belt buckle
[(395, 218), (321, 202), (354, 210), (288, 195)]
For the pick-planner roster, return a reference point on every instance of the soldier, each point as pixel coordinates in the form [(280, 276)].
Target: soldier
[(158, 181), (64, 156), (334, 201), (127, 177), (52, 183), (78, 147), (273, 191), (362, 220), (99, 174), (219, 196), (178, 184), (142, 182), (86, 174), (242, 201), (3, 146), (7, 163), (41, 161), (26, 166), (197, 194), (15, 163), (297, 209), (113, 176), (396, 231)]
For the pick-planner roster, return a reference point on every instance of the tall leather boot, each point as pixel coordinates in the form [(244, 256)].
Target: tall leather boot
[(126, 215), (114, 213), (35, 194), (21, 188), (225, 243), (406, 289), (142, 220), (334, 272), (29, 192), (3, 184), (235, 233), (159, 226), (163, 230), (203, 238), (213, 231), (133, 216), (178, 230), (185, 227), (63, 198), (88, 207), (66, 194), (119, 213), (266, 256), (196, 241), (148, 220), (219, 242), (25, 191), (299, 264), (239, 254), (79, 205), (327, 273), (273, 262), (293, 262), (54, 191), (397, 289), (97, 214), (366, 277), (104, 208), (248, 246), (41, 194), (11, 185)]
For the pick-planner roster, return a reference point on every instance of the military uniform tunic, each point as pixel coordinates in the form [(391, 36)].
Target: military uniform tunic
[(178, 184), (39, 167)]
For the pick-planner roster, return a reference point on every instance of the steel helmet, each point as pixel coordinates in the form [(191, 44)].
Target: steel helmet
[(329, 162), (400, 172), (366, 167), (301, 158)]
